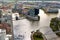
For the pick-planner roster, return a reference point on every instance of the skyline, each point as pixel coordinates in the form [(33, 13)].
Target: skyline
[(27, 0)]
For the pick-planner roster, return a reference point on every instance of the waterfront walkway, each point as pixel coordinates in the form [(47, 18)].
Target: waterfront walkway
[(24, 27)]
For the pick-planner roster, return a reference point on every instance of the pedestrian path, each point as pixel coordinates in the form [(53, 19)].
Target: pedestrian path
[(49, 34), (44, 26), (24, 27)]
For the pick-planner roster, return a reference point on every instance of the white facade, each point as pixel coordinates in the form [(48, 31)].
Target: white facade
[(14, 16), (2, 34)]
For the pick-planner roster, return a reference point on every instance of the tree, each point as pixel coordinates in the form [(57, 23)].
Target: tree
[(55, 25), (38, 35)]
